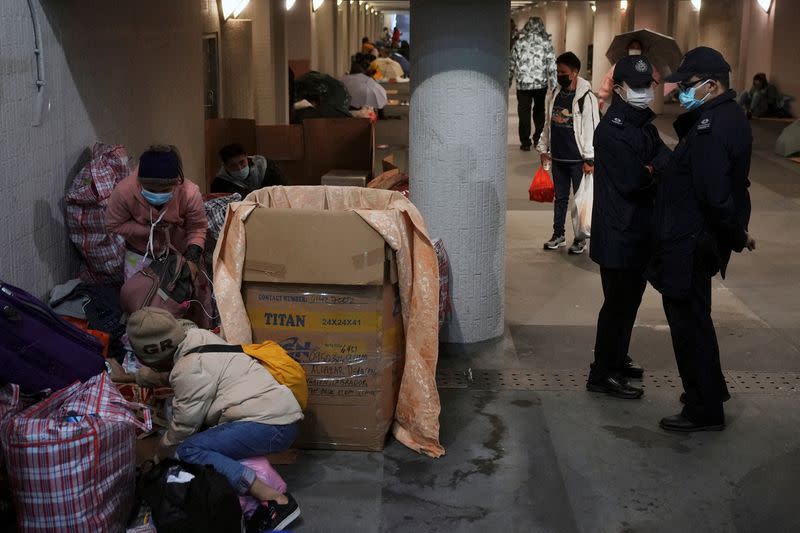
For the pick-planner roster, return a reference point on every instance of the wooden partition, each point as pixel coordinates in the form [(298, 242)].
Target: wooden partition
[(305, 152)]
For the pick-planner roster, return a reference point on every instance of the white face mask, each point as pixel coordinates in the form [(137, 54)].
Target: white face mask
[(638, 98), (634, 52)]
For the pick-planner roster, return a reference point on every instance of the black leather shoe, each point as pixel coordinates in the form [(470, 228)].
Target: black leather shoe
[(632, 371), (724, 398), (617, 388), (682, 424)]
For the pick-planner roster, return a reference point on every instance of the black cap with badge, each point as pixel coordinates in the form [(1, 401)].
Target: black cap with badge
[(636, 71), (701, 60)]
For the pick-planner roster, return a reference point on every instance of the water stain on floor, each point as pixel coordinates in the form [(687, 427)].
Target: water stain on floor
[(646, 438)]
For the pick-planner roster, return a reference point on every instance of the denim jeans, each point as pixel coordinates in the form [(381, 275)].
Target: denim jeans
[(564, 175), (223, 446)]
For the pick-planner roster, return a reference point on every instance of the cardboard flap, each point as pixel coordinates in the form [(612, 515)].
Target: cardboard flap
[(313, 247)]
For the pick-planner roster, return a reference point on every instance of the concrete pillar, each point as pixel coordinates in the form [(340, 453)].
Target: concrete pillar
[(323, 36), (264, 90), (653, 15), (362, 23), (298, 32), (355, 38), (720, 28), (555, 23), (280, 61), (685, 25), (784, 69), (458, 142), (237, 69), (342, 39), (606, 26), (580, 25)]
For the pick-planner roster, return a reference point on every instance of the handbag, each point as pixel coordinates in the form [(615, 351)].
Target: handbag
[(166, 283)]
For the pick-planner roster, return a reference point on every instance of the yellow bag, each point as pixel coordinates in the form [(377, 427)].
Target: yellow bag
[(283, 368)]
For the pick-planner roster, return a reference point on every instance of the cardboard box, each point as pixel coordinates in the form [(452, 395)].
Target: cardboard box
[(322, 285), (345, 178)]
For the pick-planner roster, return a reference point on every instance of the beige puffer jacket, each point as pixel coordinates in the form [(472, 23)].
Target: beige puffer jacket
[(215, 388)]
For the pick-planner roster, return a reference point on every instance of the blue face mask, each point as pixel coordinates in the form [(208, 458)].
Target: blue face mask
[(240, 174), (687, 99), (156, 199)]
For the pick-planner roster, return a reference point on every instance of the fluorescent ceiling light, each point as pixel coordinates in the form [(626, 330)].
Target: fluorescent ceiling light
[(316, 4), (289, 4), (623, 4), (232, 8), (696, 5), (765, 5)]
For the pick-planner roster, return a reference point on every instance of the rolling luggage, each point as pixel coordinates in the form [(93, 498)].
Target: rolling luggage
[(39, 349)]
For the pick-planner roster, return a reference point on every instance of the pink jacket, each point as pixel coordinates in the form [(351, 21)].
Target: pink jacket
[(128, 214)]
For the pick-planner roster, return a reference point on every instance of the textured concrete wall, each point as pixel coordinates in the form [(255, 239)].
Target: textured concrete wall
[(720, 27), (458, 142), (280, 61), (580, 27), (555, 23), (298, 31), (606, 26), (238, 87), (112, 75), (258, 11), (342, 39), (685, 25), (324, 37)]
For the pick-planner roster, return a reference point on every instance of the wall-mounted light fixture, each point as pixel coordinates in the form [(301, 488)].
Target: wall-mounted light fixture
[(289, 4), (623, 5), (594, 7), (233, 8), (696, 4), (765, 5), (316, 4), (339, 2)]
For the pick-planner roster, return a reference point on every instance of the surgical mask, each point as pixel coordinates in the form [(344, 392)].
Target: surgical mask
[(563, 80), (156, 199), (240, 174), (634, 52), (639, 98), (688, 100)]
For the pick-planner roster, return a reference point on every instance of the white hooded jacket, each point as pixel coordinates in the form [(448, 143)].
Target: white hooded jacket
[(584, 122)]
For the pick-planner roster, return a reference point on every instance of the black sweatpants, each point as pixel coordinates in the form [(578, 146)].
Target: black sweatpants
[(622, 293), (526, 100), (696, 350)]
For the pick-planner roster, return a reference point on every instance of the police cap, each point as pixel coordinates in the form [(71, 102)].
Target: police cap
[(636, 71), (700, 60)]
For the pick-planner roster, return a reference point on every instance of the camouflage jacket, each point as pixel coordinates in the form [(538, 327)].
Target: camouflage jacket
[(533, 59)]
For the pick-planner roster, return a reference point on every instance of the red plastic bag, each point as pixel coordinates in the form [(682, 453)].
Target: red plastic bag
[(542, 188)]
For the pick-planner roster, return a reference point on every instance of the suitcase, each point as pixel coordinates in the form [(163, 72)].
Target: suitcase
[(39, 349)]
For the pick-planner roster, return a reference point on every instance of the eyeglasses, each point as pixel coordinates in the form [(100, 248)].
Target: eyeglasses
[(683, 86)]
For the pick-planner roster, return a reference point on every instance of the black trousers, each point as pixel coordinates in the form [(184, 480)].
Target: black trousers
[(696, 350), (526, 100), (622, 293)]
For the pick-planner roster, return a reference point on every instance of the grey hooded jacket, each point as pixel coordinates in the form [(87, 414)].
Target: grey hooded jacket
[(533, 59)]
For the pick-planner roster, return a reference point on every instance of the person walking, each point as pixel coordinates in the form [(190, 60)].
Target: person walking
[(567, 141), (702, 215), (628, 155), (533, 66)]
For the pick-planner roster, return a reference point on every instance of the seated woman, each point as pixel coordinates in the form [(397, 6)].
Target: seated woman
[(762, 100), (246, 412), (244, 174), (156, 207)]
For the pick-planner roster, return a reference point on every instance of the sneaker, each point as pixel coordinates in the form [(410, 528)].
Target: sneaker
[(555, 242), (578, 247), (273, 517)]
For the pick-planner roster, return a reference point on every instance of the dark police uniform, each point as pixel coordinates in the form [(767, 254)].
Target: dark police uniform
[(625, 142), (702, 214)]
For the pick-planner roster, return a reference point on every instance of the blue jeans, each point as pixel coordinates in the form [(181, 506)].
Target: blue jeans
[(223, 446), (564, 175)]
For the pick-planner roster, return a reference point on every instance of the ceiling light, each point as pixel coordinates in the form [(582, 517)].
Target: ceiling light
[(765, 5), (232, 8), (623, 4), (289, 4), (696, 5), (316, 4)]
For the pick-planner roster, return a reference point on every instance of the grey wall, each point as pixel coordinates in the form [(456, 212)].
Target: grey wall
[(113, 75)]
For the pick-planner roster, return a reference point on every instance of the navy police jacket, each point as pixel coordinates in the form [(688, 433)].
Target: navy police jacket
[(703, 203), (625, 142)]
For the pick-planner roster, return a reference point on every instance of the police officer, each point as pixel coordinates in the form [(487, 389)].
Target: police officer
[(628, 153), (702, 215)]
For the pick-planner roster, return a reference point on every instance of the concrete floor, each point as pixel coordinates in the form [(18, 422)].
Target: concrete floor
[(564, 460)]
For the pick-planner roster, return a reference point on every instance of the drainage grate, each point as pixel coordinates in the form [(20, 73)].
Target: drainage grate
[(575, 380)]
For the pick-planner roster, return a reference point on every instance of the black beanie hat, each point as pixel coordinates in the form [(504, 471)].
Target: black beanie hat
[(159, 166)]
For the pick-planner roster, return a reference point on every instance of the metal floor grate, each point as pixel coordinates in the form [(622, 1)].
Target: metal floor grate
[(575, 380)]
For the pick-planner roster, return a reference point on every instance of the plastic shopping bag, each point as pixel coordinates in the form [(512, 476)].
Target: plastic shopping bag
[(582, 208), (542, 188)]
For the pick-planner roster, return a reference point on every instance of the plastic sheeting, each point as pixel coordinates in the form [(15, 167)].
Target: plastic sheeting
[(416, 421)]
